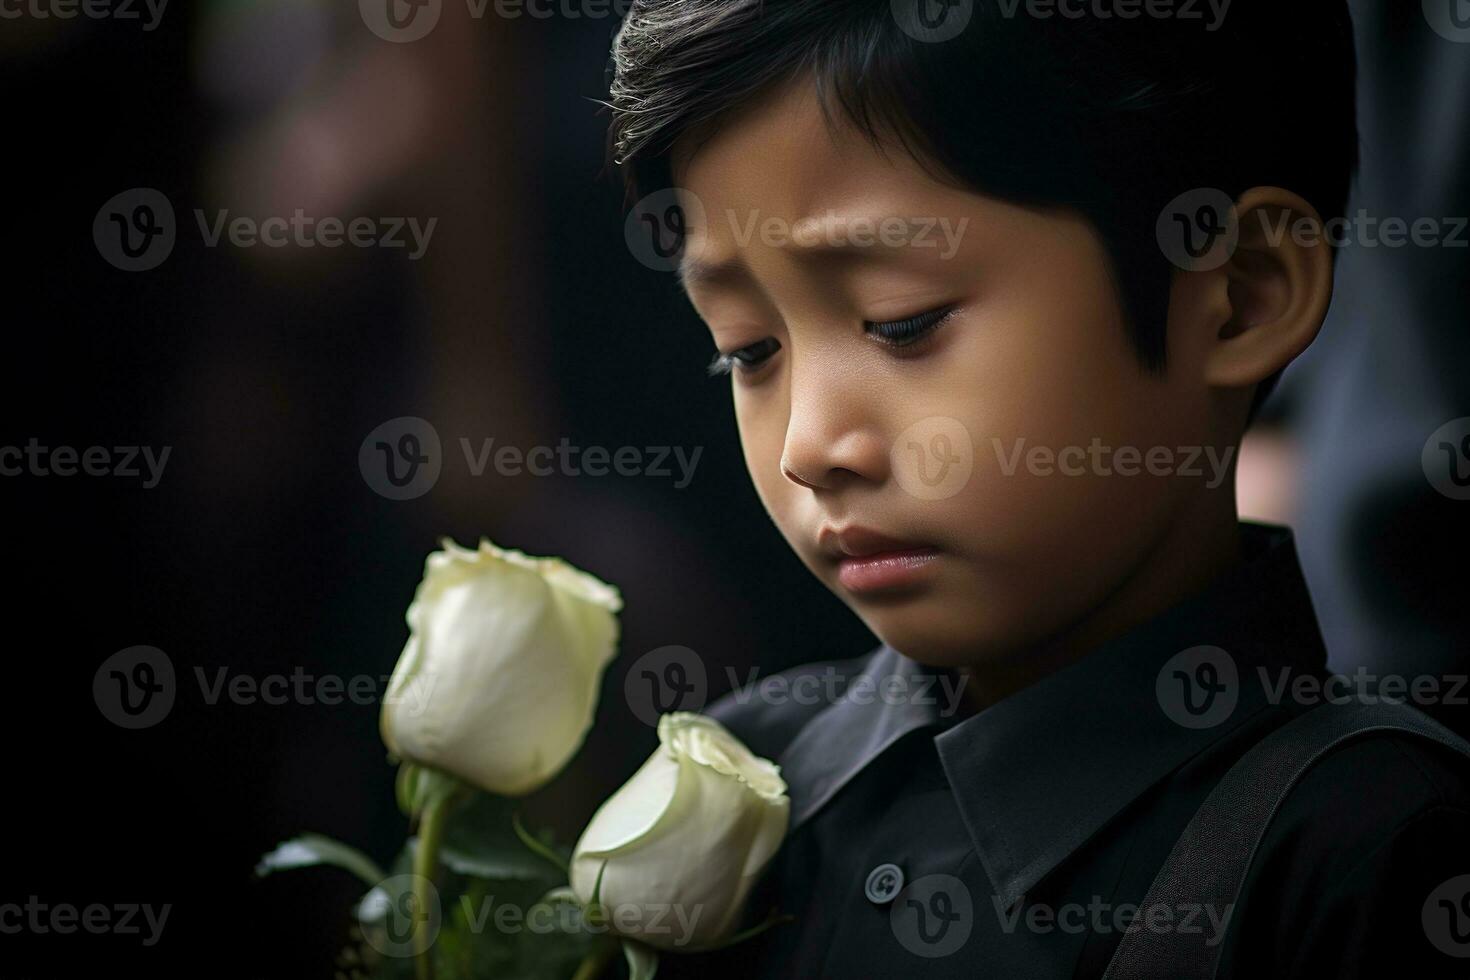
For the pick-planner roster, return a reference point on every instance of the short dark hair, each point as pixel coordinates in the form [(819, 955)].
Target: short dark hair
[(1111, 116)]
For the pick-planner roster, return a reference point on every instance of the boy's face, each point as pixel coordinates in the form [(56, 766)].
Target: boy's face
[(907, 464)]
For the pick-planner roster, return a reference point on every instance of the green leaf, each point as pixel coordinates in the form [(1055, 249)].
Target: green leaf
[(474, 943), (486, 868), (485, 861), (481, 840), (313, 850), (642, 960)]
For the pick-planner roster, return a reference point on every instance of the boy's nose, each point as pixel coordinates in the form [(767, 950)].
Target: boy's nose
[(828, 444)]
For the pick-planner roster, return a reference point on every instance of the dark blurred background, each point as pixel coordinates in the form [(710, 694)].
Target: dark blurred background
[(263, 550)]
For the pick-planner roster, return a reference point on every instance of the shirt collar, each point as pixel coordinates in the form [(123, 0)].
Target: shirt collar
[(888, 698), (1039, 773)]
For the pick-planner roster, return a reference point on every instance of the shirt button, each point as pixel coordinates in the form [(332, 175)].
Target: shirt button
[(884, 882)]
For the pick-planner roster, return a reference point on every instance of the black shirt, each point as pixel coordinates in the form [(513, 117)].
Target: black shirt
[(1017, 842)]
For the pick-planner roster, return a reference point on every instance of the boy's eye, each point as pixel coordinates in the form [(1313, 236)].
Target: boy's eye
[(747, 358), (901, 333), (893, 333)]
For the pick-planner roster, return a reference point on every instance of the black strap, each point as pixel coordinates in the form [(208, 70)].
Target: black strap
[(1209, 862)]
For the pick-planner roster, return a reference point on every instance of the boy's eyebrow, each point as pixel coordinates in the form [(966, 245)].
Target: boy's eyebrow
[(827, 226), (698, 272)]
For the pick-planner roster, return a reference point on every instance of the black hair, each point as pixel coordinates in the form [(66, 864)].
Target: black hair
[(1109, 115)]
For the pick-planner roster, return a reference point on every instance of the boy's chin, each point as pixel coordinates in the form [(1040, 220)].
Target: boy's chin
[(934, 641), (931, 644)]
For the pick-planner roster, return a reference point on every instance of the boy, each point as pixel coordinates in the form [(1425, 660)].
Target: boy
[(999, 286)]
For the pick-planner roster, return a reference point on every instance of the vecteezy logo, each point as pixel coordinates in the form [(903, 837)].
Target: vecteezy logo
[(400, 21), (933, 458), (1198, 230), (134, 688), (402, 458), (398, 919), (1455, 455), (135, 230), (933, 21), (664, 229), (670, 678), (1446, 917), (933, 916), (1449, 18), (1198, 687), (1446, 459), (941, 450)]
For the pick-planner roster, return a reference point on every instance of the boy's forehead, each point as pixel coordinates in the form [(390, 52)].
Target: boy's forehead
[(783, 156)]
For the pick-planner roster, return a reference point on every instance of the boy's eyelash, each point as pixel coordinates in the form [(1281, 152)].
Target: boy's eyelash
[(895, 333), (901, 333), (725, 363), (721, 364)]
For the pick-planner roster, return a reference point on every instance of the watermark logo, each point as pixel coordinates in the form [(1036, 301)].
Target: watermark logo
[(933, 916), (1446, 917), (135, 230), (398, 921), (150, 12), (939, 232), (1365, 230), (566, 459), (1211, 13), (933, 458), (134, 688), (941, 690), (403, 21), (1208, 463), (670, 678), (933, 21), (400, 21), (1199, 230), (1449, 18), (675, 678), (1364, 687), (38, 460), (1446, 459), (307, 231), (401, 916), (1099, 916), (657, 229), (546, 9), (1198, 687), (39, 918), (402, 458), (305, 688)]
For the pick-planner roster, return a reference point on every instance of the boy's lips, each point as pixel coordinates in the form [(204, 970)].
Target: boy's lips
[(870, 561)]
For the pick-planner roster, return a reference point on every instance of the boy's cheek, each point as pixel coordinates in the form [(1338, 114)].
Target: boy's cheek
[(997, 606), (1027, 552)]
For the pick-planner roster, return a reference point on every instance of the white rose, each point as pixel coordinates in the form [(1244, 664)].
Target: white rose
[(499, 679), (689, 834)]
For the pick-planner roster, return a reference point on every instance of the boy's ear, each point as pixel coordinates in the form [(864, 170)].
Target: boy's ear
[(1277, 287)]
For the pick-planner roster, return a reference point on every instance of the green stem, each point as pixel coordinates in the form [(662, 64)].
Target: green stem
[(536, 847), (425, 866), (596, 961)]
